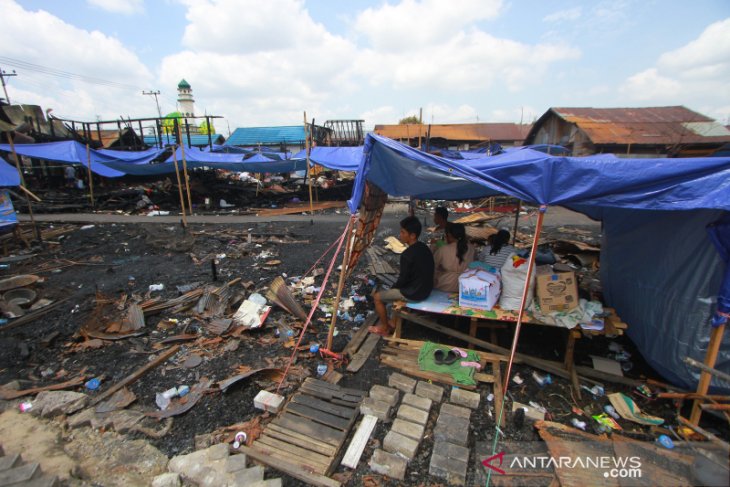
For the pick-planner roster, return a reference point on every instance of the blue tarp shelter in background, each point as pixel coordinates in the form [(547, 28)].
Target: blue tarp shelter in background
[(8, 174), (659, 267)]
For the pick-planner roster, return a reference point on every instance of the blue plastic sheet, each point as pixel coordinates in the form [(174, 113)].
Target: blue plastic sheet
[(8, 217), (67, 152), (8, 174), (335, 158)]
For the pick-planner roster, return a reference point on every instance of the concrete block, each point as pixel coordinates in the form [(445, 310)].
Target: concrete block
[(413, 431), (466, 398), (218, 452), (267, 483), (188, 465), (453, 410), (450, 469), (210, 477), (451, 450), (385, 394), (244, 478), (430, 391), (418, 402), (169, 479), (388, 464), (452, 429), (53, 403), (409, 413), (401, 382), (379, 409), (400, 444), (235, 463), (266, 401)]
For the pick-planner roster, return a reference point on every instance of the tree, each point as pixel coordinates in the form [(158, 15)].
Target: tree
[(205, 130), (168, 123), (409, 119)]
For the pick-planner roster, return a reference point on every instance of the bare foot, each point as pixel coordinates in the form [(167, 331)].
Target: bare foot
[(382, 330)]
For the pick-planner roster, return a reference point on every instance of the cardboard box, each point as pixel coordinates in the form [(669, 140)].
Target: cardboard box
[(479, 289), (556, 291)]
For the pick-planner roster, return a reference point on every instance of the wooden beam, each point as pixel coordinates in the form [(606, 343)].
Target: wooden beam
[(359, 441), (137, 374), (710, 358), (694, 363), (289, 468)]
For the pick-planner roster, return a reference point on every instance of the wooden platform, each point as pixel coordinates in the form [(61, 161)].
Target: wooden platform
[(310, 432)]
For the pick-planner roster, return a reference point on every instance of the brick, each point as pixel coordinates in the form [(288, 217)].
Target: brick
[(418, 402), (448, 468), (466, 398), (409, 413), (457, 411), (397, 443), (244, 478), (451, 450), (430, 391), (266, 401), (379, 409), (235, 463), (385, 463), (385, 394), (401, 382), (452, 429), (413, 431)]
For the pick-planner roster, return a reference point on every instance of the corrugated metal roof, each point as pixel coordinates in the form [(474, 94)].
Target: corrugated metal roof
[(250, 136), (646, 125), (195, 139), (464, 131)]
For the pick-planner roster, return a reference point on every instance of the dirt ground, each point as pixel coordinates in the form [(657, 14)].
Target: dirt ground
[(107, 261)]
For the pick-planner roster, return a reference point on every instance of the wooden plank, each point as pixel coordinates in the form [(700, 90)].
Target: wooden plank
[(297, 451), (299, 439), (705, 378), (318, 416), (497, 373), (417, 344), (347, 401), (362, 355), (360, 335), (333, 387), (359, 441), (290, 468), (415, 371), (313, 402), (332, 376), (309, 428), (270, 454)]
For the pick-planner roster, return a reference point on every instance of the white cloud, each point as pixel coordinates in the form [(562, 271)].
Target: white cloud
[(689, 75), (126, 7), (66, 64), (566, 15)]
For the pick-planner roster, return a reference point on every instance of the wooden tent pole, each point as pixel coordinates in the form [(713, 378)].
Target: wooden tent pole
[(22, 185), (309, 172), (91, 181), (179, 187), (185, 169), (517, 221), (341, 284), (705, 377)]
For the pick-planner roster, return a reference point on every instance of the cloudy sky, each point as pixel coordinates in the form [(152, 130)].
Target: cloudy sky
[(259, 62)]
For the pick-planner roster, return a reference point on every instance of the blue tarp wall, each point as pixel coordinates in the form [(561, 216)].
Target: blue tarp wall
[(8, 174), (660, 269)]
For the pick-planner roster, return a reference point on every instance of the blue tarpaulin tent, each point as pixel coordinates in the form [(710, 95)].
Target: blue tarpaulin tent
[(659, 267), (8, 174), (335, 158)]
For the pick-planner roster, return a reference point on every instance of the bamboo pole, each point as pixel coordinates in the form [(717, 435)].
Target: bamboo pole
[(179, 187), (22, 185), (341, 284), (517, 221), (308, 146), (185, 170), (29, 193), (694, 363), (91, 180), (705, 377)]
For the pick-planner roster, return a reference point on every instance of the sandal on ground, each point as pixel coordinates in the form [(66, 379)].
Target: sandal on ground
[(442, 357)]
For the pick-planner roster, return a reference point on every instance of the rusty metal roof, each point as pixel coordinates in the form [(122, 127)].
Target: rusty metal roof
[(646, 125), (480, 132)]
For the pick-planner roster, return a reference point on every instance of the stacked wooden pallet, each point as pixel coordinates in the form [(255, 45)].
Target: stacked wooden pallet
[(379, 266), (309, 434)]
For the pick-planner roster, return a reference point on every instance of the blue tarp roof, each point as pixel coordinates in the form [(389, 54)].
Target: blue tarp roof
[(68, 152), (8, 174), (196, 140), (251, 136), (336, 158), (659, 267)]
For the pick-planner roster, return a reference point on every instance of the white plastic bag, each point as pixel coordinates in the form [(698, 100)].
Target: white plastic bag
[(513, 283)]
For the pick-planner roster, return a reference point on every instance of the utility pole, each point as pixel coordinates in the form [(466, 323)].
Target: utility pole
[(154, 93), (3, 75)]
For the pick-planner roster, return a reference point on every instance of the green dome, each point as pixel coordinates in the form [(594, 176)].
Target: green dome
[(183, 84)]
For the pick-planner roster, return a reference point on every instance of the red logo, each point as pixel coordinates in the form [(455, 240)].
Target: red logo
[(488, 463)]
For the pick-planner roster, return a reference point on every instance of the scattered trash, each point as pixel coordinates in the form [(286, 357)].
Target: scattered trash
[(596, 390), (611, 411), (3, 321), (157, 287), (240, 439), (25, 406), (183, 390), (321, 369), (644, 390), (578, 423), (87, 227), (517, 379), (490, 397), (542, 380), (314, 348), (665, 441), (93, 384), (628, 409), (253, 312), (606, 421), (163, 399)]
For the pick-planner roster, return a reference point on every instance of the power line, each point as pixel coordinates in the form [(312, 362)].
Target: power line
[(63, 74), (3, 75)]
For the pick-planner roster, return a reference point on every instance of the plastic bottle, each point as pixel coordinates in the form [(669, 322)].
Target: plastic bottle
[(93, 384), (578, 423), (611, 411), (157, 287), (314, 348), (240, 439), (665, 441), (183, 390), (321, 369), (25, 406)]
